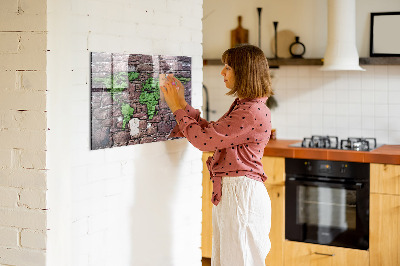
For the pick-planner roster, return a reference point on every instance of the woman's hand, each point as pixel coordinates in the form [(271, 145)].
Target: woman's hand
[(174, 91), (181, 91)]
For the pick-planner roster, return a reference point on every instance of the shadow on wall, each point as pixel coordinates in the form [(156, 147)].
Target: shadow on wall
[(155, 197)]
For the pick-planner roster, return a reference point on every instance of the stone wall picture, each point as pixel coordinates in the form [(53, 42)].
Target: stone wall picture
[(126, 105)]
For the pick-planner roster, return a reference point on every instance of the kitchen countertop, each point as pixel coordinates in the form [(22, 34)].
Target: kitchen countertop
[(389, 154)]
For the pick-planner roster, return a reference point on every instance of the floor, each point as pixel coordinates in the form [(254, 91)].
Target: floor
[(206, 261)]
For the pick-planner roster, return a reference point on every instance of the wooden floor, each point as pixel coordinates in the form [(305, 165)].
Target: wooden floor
[(206, 261)]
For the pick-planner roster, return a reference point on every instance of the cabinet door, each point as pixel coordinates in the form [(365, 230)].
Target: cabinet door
[(304, 254), (385, 178), (277, 233), (274, 168), (384, 230), (206, 226)]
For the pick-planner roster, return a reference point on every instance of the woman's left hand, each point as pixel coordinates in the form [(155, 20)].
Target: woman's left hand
[(170, 91)]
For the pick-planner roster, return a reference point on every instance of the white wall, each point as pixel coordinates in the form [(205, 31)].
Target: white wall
[(23, 133), (311, 102), (134, 205), (343, 104), (306, 19)]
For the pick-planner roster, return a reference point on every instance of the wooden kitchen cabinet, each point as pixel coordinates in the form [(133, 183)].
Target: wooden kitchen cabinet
[(206, 225), (385, 215), (274, 168), (305, 254), (384, 236), (385, 178), (277, 233)]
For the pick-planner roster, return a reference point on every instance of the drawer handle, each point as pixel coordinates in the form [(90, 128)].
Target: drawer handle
[(324, 254)]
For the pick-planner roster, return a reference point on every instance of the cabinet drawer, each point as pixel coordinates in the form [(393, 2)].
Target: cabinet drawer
[(304, 254)]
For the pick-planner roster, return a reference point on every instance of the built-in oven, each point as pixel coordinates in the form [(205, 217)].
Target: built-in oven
[(327, 202)]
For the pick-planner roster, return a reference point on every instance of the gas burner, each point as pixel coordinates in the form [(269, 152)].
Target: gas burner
[(327, 142), (332, 142), (358, 144)]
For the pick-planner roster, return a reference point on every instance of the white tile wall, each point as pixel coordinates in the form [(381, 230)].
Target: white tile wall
[(313, 102), (342, 103)]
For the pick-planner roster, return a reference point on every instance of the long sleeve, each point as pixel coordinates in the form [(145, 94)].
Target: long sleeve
[(193, 113), (232, 130)]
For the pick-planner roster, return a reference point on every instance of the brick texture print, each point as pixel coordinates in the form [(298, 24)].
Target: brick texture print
[(126, 105)]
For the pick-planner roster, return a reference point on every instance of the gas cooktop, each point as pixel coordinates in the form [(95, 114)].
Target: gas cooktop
[(332, 142)]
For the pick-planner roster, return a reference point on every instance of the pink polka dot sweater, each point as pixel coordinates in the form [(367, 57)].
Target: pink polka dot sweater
[(238, 139)]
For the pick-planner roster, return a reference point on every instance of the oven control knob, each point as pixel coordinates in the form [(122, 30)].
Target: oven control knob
[(308, 166), (343, 168)]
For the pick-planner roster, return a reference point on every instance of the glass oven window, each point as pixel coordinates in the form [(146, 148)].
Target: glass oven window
[(326, 207)]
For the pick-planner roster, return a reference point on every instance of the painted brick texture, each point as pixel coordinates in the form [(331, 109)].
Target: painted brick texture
[(109, 129), (23, 132)]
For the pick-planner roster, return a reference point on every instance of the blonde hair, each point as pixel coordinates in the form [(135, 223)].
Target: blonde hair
[(250, 66)]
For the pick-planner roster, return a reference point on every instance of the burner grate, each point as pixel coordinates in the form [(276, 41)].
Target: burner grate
[(327, 142), (358, 144), (332, 142)]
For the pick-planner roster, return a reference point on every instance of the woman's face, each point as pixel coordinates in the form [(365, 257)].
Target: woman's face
[(229, 76)]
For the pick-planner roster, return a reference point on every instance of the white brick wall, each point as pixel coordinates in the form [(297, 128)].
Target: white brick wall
[(92, 195), (8, 197), (9, 237), (24, 256), (33, 239), (22, 132), (136, 205)]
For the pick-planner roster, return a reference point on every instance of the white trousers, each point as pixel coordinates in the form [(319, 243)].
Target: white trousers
[(241, 223)]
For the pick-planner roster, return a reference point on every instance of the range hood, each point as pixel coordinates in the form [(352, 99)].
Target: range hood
[(341, 51)]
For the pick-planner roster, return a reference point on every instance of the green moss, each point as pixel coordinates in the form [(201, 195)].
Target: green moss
[(115, 83), (150, 96), (132, 76), (127, 112), (120, 80), (183, 80)]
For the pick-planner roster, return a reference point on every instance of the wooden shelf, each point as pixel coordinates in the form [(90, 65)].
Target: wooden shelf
[(274, 63), (380, 61), (212, 62)]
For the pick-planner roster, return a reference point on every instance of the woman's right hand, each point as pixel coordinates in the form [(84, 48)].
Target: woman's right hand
[(181, 91), (170, 89)]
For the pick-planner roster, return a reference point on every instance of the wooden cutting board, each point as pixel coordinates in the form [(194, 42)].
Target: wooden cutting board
[(239, 35)]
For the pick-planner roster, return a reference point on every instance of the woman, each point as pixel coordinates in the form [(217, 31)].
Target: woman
[(242, 208)]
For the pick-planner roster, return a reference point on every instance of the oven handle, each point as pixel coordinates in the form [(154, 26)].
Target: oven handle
[(357, 185)]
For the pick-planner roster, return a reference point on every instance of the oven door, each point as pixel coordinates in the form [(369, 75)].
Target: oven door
[(327, 213)]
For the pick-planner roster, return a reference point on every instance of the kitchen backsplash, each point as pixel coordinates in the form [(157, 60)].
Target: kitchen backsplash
[(314, 102)]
